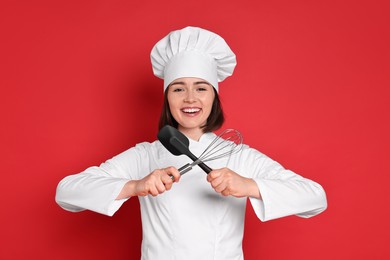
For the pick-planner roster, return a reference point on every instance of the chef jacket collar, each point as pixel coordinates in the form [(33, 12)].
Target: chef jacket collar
[(206, 138)]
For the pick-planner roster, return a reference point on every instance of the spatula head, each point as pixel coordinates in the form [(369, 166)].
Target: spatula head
[(177, 143), (173, 140)]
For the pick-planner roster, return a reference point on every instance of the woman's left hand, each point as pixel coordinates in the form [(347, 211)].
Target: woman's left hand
[(228, 182)]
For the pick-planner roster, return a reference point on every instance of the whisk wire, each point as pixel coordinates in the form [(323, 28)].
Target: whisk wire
[(221, 147), (225, 144)]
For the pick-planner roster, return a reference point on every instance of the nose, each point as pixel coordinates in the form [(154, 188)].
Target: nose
[(190, 97)]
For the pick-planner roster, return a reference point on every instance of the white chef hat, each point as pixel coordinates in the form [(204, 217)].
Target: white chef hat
[(192, 52)]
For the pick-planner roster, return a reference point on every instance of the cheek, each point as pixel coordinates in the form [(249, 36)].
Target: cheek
[(209, 103), (174, 108), (171, 103)]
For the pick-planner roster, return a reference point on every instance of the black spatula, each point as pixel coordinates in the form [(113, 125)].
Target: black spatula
[(177, 144)]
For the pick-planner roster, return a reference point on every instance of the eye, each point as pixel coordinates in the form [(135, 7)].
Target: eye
[(178, 90), (202, 88)]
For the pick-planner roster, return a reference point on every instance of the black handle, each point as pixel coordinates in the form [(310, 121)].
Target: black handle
[(205, 167), (202, 165), (183, 148)]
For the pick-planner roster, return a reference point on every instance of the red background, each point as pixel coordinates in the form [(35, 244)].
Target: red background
[(311, 90)]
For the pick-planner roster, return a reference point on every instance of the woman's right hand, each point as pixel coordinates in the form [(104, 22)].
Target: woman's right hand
[(155, 183)]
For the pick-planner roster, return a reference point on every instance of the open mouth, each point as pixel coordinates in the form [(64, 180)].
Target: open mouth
[(190, 110)]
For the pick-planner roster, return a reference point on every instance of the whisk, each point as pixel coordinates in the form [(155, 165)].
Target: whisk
[(226, 143)]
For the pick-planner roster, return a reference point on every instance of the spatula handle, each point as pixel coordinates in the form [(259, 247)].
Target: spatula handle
[(205, 167)]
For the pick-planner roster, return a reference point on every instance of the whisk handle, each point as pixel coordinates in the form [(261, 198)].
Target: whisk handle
[(185, 168), (188, 167)]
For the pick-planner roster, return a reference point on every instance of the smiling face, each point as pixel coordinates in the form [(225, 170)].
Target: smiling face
[(190, 102)]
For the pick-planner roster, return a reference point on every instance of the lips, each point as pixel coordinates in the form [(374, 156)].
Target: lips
[(191, 110)]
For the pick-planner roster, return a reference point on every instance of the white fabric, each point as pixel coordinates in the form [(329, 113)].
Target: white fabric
[(192, 221), (192, 52)]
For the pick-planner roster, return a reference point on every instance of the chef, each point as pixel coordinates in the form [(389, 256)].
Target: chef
[(194, 216)]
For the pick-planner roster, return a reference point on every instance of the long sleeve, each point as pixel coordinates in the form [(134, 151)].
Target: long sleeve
[(96, 188), (283, 192)]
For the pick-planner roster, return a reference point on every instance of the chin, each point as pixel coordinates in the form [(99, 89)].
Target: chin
[(191, 126)]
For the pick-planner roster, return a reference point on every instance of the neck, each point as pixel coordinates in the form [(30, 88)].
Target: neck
[(193, 133)]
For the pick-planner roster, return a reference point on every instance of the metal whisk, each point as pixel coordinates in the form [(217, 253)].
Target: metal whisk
[(225, 144)]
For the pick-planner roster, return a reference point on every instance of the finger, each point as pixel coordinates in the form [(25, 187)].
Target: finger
[(160, 187), (168, 186), (153, 191), (216, 182), (174, 173), (213, 175), (225, 192), (221, 187), (167, 181)]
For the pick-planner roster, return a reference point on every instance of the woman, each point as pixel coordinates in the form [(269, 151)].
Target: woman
[(200, 216)]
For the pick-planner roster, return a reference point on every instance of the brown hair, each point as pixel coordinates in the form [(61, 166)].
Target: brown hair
[(214, 121)]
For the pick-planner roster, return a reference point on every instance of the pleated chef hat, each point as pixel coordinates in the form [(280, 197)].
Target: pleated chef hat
[(192, 52)]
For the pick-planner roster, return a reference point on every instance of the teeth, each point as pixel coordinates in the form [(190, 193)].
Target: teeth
[(191, 110)]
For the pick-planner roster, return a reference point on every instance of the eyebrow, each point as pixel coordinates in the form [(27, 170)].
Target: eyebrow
[(202, 82), (177, 83), (195, 83)]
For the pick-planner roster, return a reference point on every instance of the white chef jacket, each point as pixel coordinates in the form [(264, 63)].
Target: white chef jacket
[(192, 221)]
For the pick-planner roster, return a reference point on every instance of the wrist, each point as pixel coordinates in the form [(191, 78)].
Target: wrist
[(254, 191), (128, 190), (131, 188)]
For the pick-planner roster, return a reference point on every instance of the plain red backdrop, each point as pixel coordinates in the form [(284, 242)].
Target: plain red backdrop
[(310, 90)]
